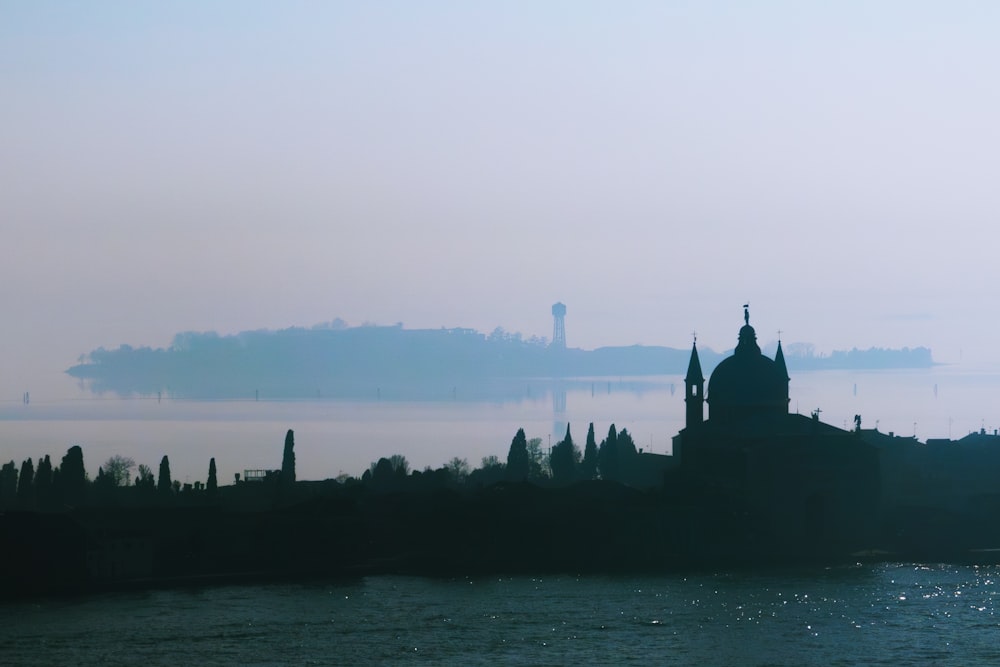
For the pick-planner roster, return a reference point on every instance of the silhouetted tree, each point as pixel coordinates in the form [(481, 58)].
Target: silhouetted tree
[(518, 462), (118, 470), (56, 491), (145, 479), (26, 485), (400, 465), (8, 484), (627, 454), (212, 485), (491, 461), (626, 447), (458, 469), (563, 459), (43, 482), (381, 474), (288, 459), (588, 468), (388, 471), (607, 456), (102, 488), (163, 482), (538, 461), (492, 471), (73, 477)]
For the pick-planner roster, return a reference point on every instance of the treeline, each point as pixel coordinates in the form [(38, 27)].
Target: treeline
[(120, 482), (340, 361), (615, 459), (602, 507), (68, 487), (64, 532), (359, 361), (300, 362), (872, 358)]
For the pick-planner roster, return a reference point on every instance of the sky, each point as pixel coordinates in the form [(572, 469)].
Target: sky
[(225, 166)]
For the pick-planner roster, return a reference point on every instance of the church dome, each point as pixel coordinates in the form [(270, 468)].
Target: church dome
[(747, 383)]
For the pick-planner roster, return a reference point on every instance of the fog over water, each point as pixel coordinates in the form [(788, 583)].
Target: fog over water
[(334, 437), (237, 165)]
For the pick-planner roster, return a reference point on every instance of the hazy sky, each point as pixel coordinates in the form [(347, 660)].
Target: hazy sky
[(239, 165)]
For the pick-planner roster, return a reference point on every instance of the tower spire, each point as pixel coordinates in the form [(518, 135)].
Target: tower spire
[(694, 389), (779, 362)]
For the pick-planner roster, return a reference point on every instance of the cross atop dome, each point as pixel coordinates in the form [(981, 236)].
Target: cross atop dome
[(748, 337), (748, 383)]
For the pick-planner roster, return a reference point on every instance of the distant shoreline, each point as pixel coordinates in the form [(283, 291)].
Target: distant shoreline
[(365, 361)]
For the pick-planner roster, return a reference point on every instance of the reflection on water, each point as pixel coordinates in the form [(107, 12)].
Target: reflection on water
[(335, 436), (897, 614)]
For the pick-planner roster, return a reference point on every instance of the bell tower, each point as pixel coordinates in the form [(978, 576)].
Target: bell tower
[(694, 389)]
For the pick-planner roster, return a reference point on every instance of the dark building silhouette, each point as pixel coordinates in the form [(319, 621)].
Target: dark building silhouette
[(804, 485), (940, 498)]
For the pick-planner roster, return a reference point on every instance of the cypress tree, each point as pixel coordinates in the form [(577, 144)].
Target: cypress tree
[(212, 486), (627, 454), (563, 458), (73, 477), (163, 482), (607, 456), (288, 459), (588, 468), (626, 446), (26, 485), (56, 491), (8, 484), (43, 482), (518, 461)]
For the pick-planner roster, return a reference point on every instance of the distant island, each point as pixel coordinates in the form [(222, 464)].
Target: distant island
[(337, 361)]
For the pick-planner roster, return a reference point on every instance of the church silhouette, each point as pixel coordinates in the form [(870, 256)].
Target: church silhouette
[(798, 485)]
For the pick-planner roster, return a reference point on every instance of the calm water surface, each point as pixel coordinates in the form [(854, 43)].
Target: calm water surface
[(334, 437), (899, 614)]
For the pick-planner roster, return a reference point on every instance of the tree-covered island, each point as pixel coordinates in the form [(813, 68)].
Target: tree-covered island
[(335, 360)]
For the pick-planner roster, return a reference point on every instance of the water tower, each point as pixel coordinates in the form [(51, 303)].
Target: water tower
[(559, 326)]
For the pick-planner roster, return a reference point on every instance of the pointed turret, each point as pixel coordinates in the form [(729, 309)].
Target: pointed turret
[(694, 366), (694, 390), (779, 362), (779, 359)]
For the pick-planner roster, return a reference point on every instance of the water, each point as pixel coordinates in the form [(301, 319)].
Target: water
[(334, 437), (885, 614), (897, 614)]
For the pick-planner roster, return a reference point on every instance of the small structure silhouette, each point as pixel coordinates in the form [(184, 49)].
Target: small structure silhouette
[(558, 326)]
